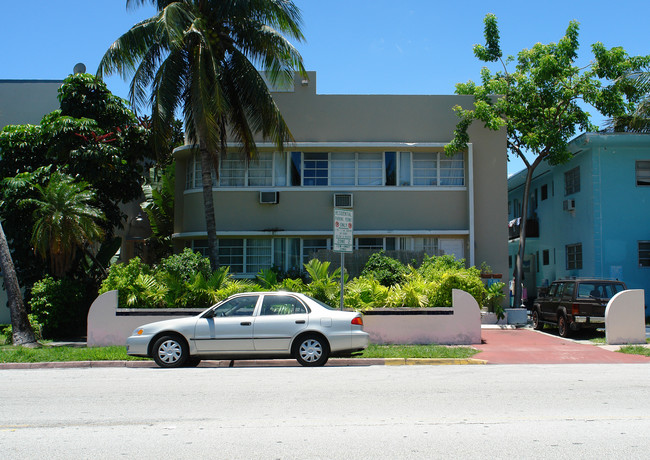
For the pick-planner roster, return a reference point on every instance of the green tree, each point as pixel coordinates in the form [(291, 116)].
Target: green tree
[(22, 333), (66, 220), (201, 57), (95, 138), (637, 121), (540, 102)]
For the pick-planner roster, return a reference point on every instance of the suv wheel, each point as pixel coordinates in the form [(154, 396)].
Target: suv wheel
[(563, 326), (537, 324)]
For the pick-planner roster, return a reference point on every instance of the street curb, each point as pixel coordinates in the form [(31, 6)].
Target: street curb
[(335, 362)]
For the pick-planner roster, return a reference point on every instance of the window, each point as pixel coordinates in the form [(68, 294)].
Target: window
[(258, 255), (370, 170), (428, 245), (281, 305), (315, 169), (644, 253), (574, 257), (425, 169), (239, 306), (370, 243), (231, 253), (509, 261), (390, 165), (201, 246), (260, 172), (452, 170), (404, 168), (643, 173), (546, 256), (342, 169), (572, 181), (544, 192)]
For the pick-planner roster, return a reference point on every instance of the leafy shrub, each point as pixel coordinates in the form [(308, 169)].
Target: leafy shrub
[(186, 265), (494, 297), (6, 331), (123, 277), (442, 295), (365, 293), (60, 306), (386, 270)]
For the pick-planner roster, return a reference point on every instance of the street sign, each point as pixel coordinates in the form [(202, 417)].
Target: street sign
[(343, 240)]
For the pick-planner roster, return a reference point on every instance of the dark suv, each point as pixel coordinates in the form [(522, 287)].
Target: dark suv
[(573, 304)]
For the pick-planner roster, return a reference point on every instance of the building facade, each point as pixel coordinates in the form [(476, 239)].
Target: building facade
[(588, 217), (379, 155)]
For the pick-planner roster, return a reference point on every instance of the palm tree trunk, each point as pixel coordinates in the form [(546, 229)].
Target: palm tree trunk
[(22, 333), (208, 204)]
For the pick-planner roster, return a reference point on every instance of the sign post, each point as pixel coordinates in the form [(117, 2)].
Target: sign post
[(343, 240)]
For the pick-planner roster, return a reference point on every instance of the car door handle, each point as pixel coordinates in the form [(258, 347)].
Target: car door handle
[(300, 321), (245, 323)]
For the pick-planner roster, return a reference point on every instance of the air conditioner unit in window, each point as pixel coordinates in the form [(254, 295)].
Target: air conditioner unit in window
[(569, 205), (342, 200), (269, 197)]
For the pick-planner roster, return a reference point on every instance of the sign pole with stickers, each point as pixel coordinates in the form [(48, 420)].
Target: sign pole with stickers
[(343, 240)]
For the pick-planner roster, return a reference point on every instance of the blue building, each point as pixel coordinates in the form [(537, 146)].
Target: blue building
[(589, 217)]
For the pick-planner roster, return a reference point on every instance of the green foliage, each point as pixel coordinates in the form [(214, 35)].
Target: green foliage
[(365, 293), (59, 306), (324, 286), (267, 278), (384, 269), (186, 265), (122, 276), (494, 298), (159, 207)]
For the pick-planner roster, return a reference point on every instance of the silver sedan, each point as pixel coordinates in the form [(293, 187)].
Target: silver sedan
[(253, 325)]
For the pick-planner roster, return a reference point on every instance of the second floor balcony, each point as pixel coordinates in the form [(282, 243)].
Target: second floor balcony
[(514, 227)]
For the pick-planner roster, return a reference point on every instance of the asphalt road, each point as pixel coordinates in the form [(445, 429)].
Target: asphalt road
[(523, 411)]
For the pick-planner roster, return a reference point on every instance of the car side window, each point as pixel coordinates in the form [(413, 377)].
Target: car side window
[(281, 305), (552, 292), (589, 290), (239, 306), (569, 289)]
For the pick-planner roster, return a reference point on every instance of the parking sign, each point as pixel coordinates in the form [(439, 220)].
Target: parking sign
[(343, 241)]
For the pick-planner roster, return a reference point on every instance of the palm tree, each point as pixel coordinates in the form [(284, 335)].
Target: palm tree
[(201, 56), (65, 220), (22, 333), (637, 121)]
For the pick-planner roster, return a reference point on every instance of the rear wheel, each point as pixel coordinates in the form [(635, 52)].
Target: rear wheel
[(311, 350), (563, 326), (170, 351), (537, 324)]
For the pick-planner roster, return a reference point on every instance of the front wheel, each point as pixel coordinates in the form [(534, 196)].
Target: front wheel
[(563, 326), (312, 351), (170, 351)]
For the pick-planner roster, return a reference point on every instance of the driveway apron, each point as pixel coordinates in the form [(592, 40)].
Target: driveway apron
[(525, 346)]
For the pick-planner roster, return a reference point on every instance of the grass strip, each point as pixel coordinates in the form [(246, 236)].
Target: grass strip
[(417, 351), (11, 354), (635, 350)]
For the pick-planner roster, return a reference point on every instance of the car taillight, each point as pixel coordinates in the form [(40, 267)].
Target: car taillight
[(358, 321), (575, 309)]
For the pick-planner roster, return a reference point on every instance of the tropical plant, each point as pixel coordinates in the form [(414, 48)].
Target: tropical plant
[(494, 299), (59, 306), (365, 293), (122, 276), (323, 285), (200, 56), (66, 220), (386, 270), (186, 265), (159, 207), (267, 278)]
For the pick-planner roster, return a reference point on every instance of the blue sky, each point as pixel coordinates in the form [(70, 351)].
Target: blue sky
[(355, 46)]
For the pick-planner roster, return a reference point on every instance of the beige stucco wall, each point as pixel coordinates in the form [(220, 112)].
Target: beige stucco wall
[(26, 101), (371, 123)]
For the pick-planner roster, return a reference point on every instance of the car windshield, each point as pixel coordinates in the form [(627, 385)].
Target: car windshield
[(596, 290)]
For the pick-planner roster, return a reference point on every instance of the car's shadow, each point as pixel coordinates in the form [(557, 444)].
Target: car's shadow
[(583, 334)]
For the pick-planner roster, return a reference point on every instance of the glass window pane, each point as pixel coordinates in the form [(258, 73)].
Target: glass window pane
[(342, 169), (643, 173), (315, 169), (233, 172), (231, 253), (281, 305), (310, 247), (296, 168), (280, 165), (370, 169), (405, 168), (260, 172), (294, 255), (425, 168), (644, 253), (390, 163), (452, 170), (258, 255)]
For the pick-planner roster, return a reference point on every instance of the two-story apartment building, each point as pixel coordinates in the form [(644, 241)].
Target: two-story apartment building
[(588, 217), (379, 155)]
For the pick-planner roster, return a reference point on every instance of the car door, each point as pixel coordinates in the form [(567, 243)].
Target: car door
[(280, 318), (548, 305), (228, 327)]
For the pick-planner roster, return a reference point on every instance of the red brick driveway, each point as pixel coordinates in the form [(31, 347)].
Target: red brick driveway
[(525, 346)]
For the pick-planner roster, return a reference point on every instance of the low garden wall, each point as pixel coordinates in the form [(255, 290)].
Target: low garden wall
[(460, 325)]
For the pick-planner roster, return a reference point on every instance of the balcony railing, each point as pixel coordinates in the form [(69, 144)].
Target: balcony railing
[(532, 228)]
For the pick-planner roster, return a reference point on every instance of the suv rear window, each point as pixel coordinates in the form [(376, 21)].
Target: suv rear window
[(598, 290)]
